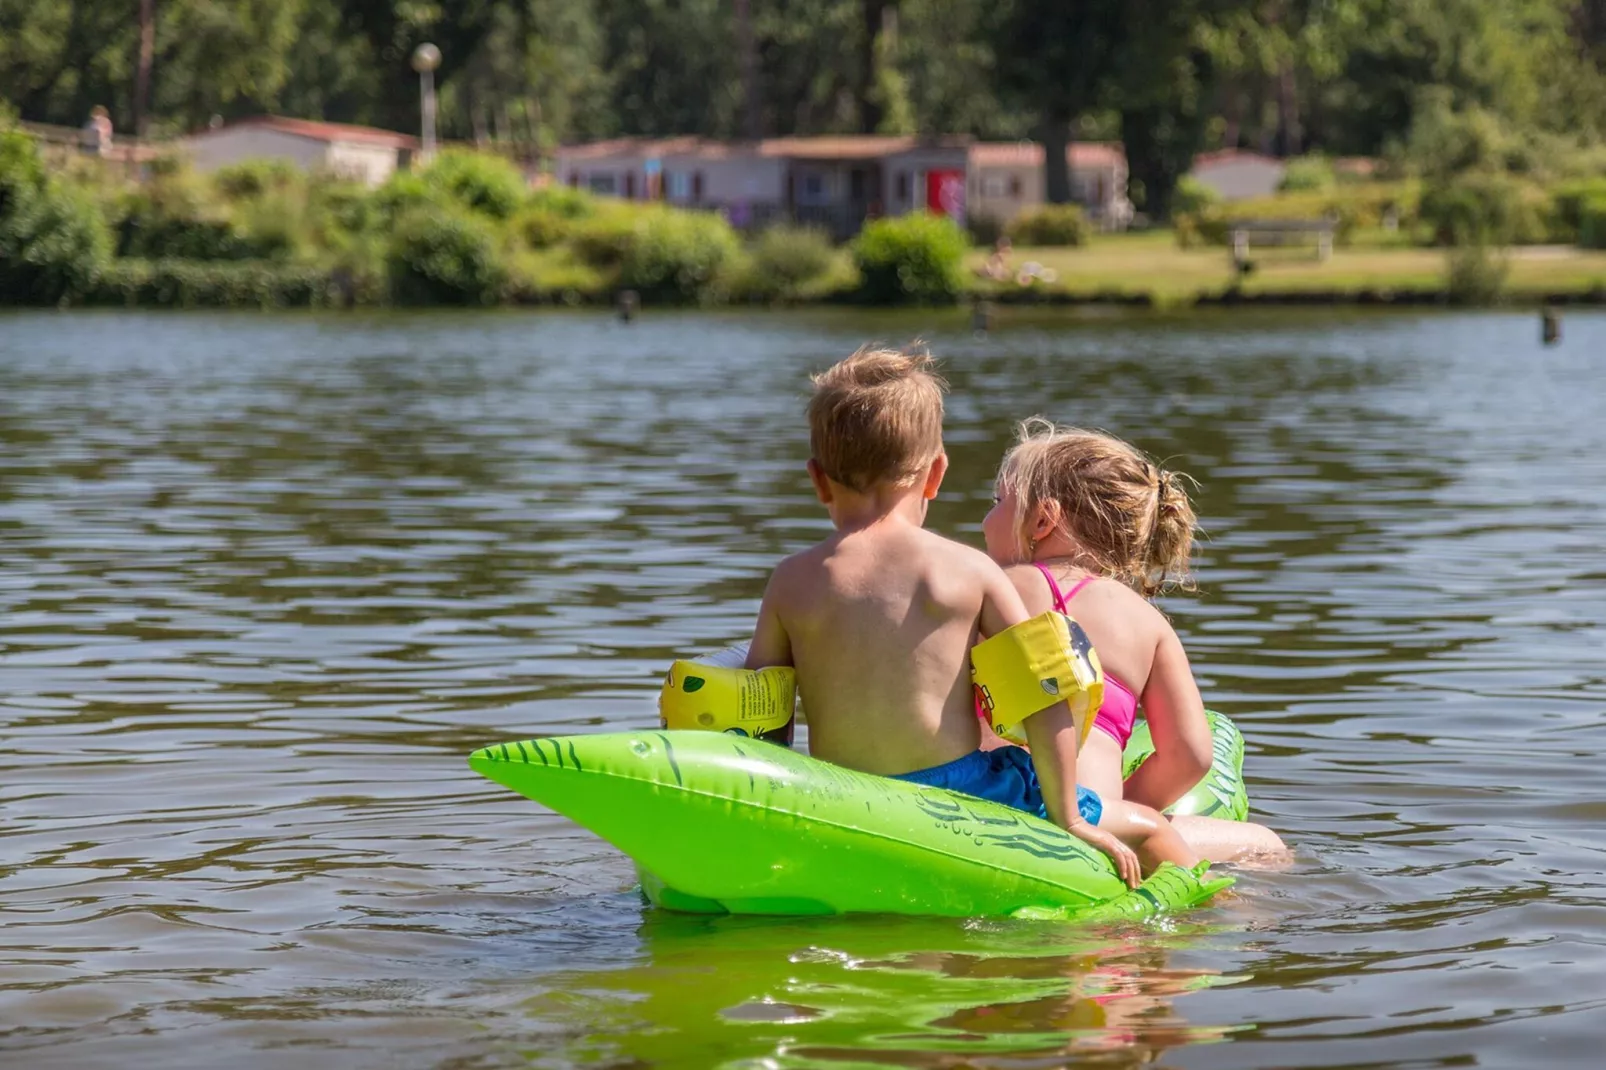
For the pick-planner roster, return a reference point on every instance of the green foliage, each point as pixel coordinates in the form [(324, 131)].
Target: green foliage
[(252, 179), (677, 257), (603, 238), (444, 258), (1486, 208), (911, 259), (985, 230), (1307, 174), (1476, 274), (786, 260), (490, 185), (1050, 224), (1192, 196), (211, 284), (1571, 203), (1352, 208), (54, 243), (1592, 222), (550, 215)]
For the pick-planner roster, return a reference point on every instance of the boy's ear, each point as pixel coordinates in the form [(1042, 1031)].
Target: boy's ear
[(934, 474), (822, 484)]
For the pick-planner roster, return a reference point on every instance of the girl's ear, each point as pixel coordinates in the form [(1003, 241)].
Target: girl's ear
[(1047, 520)]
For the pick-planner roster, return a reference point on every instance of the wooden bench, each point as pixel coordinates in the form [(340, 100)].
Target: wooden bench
[(1280, 232)]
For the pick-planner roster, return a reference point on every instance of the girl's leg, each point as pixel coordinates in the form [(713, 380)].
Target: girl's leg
[(1146, 832), (1229, 841)]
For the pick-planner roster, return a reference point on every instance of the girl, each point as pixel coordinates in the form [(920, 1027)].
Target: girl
[(1085, 524)]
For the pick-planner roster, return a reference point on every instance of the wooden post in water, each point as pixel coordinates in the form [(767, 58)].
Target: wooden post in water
[(1550, 325), (981, 316), (628, 303)]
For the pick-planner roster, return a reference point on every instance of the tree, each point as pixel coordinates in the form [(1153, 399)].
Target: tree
[(1056, 61)]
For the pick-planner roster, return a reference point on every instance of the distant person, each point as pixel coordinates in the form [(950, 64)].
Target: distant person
[(997, 266), (1087, 525), (879, 620), (96, 136)]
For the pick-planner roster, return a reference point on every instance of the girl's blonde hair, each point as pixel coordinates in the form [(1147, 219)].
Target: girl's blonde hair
[(1130, 519)]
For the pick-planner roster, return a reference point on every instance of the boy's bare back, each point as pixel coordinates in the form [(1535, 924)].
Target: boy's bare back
[(879, 622)]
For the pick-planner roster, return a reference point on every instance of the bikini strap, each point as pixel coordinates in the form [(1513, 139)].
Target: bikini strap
[(1074, 591), (1054, 587)]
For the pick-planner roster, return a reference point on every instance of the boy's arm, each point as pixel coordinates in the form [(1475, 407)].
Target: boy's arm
[(770, 645)]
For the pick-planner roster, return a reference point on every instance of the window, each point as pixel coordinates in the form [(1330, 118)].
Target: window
[(697, 186), (993, 185), (813, 187), (601, 182), (903, 186), (630, 185), (677, 185), (574, 179), (1014, 185)]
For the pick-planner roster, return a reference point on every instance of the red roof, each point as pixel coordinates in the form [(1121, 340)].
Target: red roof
[(1030, 154), (316, 130), (837, 147)]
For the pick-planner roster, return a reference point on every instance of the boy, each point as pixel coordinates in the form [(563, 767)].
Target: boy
[(879, 619)]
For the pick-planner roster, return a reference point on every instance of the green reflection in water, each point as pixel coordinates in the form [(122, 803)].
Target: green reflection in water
[(805, 992)]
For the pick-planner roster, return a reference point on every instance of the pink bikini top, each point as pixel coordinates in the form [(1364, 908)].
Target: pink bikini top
[(1120, 709)]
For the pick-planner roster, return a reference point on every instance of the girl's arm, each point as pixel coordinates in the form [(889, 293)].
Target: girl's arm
[(1176, 716), (1052, 736)]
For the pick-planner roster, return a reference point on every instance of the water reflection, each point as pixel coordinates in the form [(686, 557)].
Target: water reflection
[(749, 991)]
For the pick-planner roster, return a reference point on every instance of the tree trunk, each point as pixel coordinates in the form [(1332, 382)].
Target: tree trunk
[(1056, 165), (751, 126), (870, 110), (142, 70), (1288, 132)]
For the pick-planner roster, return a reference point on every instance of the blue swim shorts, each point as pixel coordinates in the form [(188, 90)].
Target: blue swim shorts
[(1003, 776)]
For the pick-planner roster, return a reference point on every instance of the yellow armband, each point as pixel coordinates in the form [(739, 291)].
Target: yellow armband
[(744, 702), (1033, 665)]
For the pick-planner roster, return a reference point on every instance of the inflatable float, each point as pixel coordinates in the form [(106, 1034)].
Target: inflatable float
[(720, 823)]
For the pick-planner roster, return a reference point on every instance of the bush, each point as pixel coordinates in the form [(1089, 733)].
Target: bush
[(1192, 197), (54, 243), (444, 258), (551, 215), (912, 258), (203, 284), (1592, 222), (1569, 205), (1475, 274), (253, 178), (1050, 224), (482, 183), (1486, 209), (1308, 173), (677, 256), (404, 192), (985, 230), (786, 259)]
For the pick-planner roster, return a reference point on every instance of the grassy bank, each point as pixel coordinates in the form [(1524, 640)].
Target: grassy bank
[(1152, 268)]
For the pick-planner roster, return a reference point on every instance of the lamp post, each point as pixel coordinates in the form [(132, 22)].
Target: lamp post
[(426, 57)]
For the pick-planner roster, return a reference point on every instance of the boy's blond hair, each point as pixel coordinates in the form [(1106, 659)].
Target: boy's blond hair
[(1130, 518), (876, 417)]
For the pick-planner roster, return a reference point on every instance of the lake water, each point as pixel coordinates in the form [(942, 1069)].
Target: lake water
[(264, 582)]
